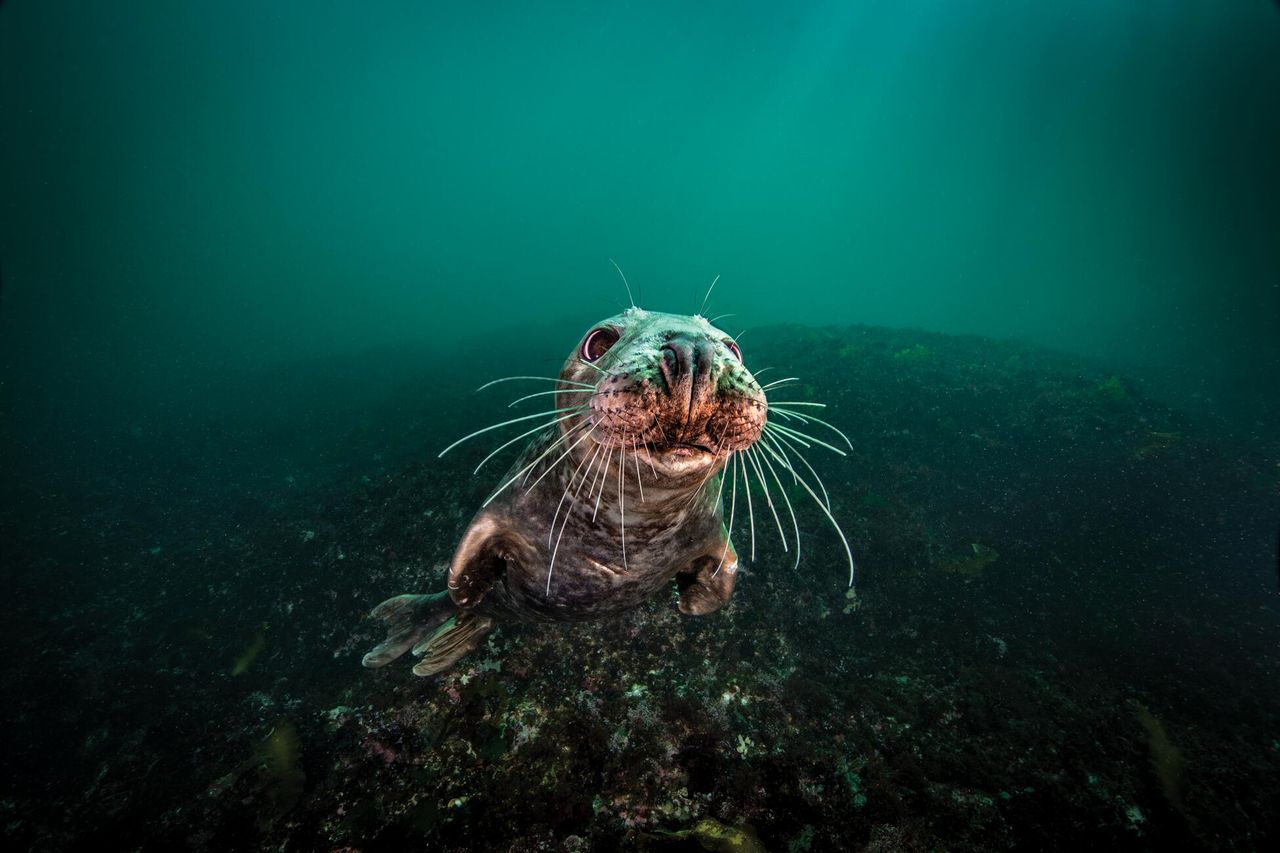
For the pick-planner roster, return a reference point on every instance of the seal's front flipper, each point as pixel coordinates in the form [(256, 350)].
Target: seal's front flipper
[(408, 618), (708, 582), (451, 641), (481, 558)]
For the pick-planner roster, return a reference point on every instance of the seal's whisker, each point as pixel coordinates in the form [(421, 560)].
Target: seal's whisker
[(569, 450), (508, 423), (782, 439), (590, 390), (753, 456), (600, 481), (666, 438), (724, 475), (622, 500), (649, 458), (786, 463), (523, 472), (693, 497), (569, 485), (719, 317), (798, 440), (708, 296), (782, 491), (746, 487), (784, 458), (552, 564), (594, 367), (537, 378), (786, 384), (710, 472), (598, 476), (564, 437), (795, 521), (635, 454), (525, 434), (779, 403), (827, 511), (784, 413), (733, 505), (777, 382), (795, 433), (811, 419), (625, 283), (803, 437), (604, 471)]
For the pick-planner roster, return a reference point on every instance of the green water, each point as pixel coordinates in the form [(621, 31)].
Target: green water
[(249, 180), (257, 257)]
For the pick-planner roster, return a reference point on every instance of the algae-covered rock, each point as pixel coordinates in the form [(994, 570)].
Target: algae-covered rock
[(272, 775), (1156, 444), (282, 777), (251, 652), (1112, 390), (713, 835), (1165, 757), (917, 354), (970, 564)]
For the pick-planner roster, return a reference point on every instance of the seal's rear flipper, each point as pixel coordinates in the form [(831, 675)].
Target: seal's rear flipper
[(408, 618), (451, 641)]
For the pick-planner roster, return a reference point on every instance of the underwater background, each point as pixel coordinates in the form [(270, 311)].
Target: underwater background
[(257, 257)]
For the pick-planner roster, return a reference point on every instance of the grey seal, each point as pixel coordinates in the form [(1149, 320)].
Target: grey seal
[(621, 490)]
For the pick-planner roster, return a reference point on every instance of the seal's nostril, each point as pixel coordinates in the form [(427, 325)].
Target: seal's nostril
[(672, 369)]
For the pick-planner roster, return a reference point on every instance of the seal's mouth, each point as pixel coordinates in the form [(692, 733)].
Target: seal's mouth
[(681, 450), (678, 457)]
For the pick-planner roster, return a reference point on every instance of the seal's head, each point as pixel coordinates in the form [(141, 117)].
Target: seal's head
[(669, 385)]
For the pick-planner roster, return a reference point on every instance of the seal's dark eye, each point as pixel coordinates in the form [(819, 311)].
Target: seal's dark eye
[(733, 348), (598, 343)]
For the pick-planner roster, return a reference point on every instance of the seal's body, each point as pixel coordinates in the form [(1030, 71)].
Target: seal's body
[(620, 494)]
